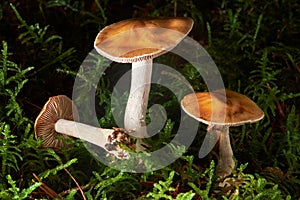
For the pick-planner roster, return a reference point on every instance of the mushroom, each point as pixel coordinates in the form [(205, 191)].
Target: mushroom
[(221, 109), (139, 41), (56, 119)]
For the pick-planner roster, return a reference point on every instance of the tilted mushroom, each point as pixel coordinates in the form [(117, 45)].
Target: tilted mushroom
[(221, 109), (57, 120), (139, 41)]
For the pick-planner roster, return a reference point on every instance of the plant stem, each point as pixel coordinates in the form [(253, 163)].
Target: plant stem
[(225, 162), (91, 134), (135, 113), (94, 135)]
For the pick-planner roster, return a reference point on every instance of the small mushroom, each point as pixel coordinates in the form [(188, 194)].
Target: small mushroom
[(221, 109), (56, 108), (139, 41), (57, 120)]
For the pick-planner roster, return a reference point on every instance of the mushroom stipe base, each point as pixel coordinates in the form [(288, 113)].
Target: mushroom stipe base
[(108, 139)]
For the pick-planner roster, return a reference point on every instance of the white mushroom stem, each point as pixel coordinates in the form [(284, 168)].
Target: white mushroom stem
[(225, 162), (135, 113), (94, 135)]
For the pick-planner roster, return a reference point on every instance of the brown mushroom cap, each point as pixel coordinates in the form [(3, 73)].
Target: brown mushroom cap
[(138, 39), (57, 107), (237, 108)]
